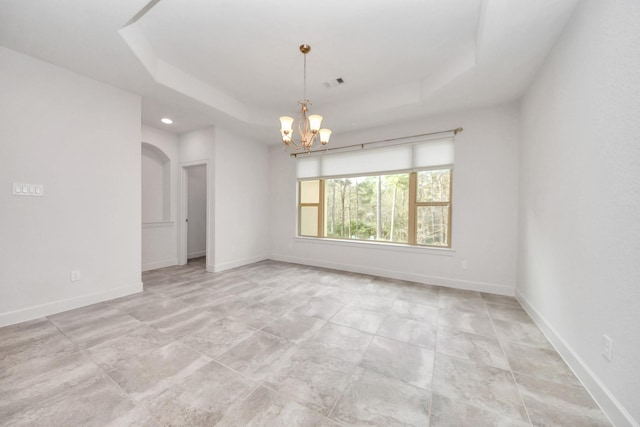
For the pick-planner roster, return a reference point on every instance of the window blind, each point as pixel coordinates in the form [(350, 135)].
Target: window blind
[(417, 155)]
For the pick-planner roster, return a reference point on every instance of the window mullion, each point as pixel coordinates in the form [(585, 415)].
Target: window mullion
[(321, 209), (413, 195)]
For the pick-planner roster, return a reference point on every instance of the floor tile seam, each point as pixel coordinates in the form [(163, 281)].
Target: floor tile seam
[(290, 396), (350, 327), (499, 414), (579, 382), (529, 345), (287, 396), (173, 339), (138, 357), (372, 337), (482, 365), (181, 339), (477, 363), (433, 364), (404, 342), (406, 317), (74, 342), (238, 404), (274, 335), (254, 330), (494, 338), (513, 378), (169, 383), (251, 380), (333, 407), (457, 310), (130, 398), (552, 380), (506, 304), (406, 383), (105, 374), (304, 341), (381, 322), (338, 311)]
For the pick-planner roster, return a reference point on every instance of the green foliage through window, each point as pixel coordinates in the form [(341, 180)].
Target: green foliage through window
[(380, 208), (368, 208)]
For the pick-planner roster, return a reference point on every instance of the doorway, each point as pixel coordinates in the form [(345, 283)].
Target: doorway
[(194, 215)]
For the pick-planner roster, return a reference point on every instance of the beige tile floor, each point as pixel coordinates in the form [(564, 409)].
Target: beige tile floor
[(276, 344)]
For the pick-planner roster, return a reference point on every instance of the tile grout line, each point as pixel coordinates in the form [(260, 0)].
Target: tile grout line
[(495, 331), (435, 352)]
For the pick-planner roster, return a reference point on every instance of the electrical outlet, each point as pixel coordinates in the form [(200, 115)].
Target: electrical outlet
[(607, 347), (464, 264), (75, 275)]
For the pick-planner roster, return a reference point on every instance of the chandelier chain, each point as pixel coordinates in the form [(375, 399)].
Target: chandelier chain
[(304, 90)]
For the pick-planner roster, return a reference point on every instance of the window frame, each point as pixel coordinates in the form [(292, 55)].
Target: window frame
[(413, 210), (319, 206), (414, 204)]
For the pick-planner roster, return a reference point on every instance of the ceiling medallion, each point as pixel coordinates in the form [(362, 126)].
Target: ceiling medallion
[(308, 126)]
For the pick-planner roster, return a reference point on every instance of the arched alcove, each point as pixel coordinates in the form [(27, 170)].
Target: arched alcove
[(156, 185)]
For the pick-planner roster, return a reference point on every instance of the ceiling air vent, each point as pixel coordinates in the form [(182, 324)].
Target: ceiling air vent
[(335, 82)]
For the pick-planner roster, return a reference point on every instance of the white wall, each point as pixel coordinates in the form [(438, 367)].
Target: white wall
[(81, 140), (159, 235), (197, 211), (579, 269), (237, 195), (241, 200), (485, 182)]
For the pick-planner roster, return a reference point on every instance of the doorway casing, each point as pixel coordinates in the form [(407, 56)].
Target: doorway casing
[(183, 209)]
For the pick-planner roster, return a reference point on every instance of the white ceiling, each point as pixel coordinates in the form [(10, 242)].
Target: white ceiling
[(237, 62)]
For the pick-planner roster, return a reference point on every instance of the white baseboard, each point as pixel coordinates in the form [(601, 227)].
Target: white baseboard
[(37, 311), (196, 254), (215, 268), (159, 264), (617, 414), (402, 275)]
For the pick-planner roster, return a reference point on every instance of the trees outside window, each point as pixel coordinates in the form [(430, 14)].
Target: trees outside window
[(411, 208)]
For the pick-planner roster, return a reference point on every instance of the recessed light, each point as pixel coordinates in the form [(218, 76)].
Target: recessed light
[(166, 121)]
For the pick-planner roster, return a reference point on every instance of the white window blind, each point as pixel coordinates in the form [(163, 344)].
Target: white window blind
[(417, 155)]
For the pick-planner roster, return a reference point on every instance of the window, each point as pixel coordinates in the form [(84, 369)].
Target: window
[(433, 208), (395, 194), (412, 208), (310, 208), (368, 208)]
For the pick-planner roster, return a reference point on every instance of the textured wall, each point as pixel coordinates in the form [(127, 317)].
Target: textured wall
[(579, 225)]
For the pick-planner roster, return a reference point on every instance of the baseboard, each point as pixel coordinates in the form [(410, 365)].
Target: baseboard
[(159, 264), (37, 311), (617, 414), (216, 268), (402, 275), (196, 254)]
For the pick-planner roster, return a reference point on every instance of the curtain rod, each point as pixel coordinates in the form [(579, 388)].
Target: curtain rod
[(362, 145)]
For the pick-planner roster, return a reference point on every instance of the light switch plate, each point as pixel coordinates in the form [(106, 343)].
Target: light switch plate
[(22, 189)]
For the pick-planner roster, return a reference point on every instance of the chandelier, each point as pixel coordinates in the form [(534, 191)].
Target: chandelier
[(308, 126)]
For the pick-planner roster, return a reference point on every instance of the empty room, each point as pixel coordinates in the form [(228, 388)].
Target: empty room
[(337, 213)]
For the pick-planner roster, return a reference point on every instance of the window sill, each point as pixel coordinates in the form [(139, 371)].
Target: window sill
[(395, 247)]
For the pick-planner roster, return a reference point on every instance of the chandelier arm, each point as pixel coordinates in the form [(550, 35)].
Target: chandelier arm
[(292, 144)]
